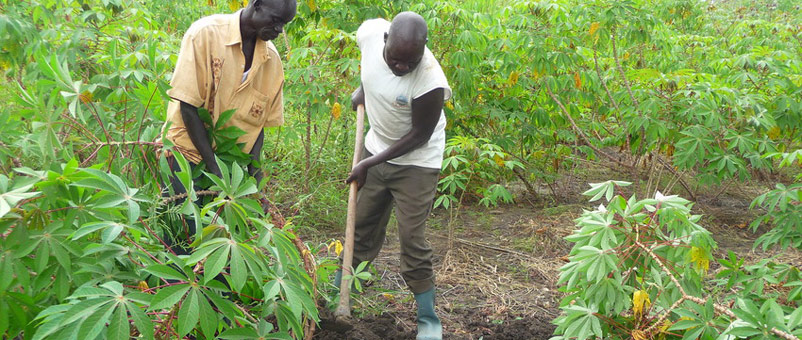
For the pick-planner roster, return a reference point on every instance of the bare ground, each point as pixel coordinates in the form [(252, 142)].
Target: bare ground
[(497, 272)]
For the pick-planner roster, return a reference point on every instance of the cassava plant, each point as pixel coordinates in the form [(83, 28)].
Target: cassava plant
[(639, 270), (94, 263)]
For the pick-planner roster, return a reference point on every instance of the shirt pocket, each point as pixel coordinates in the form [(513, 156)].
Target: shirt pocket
[(253, 112)]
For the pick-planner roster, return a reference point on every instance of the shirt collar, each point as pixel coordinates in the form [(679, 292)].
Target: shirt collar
[(234, 35)]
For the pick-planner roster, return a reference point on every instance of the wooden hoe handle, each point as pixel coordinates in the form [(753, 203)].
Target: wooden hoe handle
[(344, 308)]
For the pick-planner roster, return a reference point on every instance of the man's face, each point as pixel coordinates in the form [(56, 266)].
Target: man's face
[(401, 57), (271, 17)]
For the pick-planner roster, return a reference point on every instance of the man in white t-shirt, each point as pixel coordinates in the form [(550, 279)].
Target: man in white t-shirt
[(403, 90)]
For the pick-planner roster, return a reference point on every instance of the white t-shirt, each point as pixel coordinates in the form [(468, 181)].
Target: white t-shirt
[(388, 98)]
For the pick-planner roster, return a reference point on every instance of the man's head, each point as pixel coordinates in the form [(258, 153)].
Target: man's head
[(266, 18), (405, 42)]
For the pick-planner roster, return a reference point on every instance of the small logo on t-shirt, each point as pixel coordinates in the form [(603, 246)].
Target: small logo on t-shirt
[(401, 101)]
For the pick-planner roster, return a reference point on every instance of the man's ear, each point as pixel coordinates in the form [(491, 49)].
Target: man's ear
[(257, 4)]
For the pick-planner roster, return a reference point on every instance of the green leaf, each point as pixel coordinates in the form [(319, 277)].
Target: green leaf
[(114, 287), (111, 233), (165, 272), (204, 250), (279, 336), (89, 228), (42, 256), (743, 332), (3, 317), (167, 297), (238, 271), (95, 323), (82, 309), (205, 116), (207, 317), (239, 333), (215, 263), (141, 320), (62, 257), (224, 117), (294, 296), (6, 273), (271, 290), (224, 305), (188, 313), (119, 328)]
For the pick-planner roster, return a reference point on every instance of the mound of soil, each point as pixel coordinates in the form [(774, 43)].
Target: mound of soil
[(386, 327)]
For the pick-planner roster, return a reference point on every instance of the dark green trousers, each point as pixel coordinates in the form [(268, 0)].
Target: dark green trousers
[(411, 189)]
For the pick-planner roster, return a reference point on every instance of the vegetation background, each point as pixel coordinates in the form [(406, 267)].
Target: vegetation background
[(666, 97)]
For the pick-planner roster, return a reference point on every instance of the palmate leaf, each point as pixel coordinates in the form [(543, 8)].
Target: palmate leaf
[(604, 189), (584, 324), (10, 198)]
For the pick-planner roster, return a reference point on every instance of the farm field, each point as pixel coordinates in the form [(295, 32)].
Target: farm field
[(612, 170)]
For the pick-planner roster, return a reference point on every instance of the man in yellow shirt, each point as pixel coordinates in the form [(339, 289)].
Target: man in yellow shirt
[(227, 62)]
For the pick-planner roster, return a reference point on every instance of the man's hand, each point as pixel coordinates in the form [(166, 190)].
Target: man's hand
[(357, 98), (359, 174)]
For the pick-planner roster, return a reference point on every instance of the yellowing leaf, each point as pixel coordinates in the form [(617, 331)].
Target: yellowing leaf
[(143, 286), (699, 258), (593, 28), (312, 5), (638, 334), (577, 81), (244, 3), (337, 245), (499, 161), (513, 79), (670, 150), (85, 97), (449, 105), (336, 110), (774, 133), (640, 301)]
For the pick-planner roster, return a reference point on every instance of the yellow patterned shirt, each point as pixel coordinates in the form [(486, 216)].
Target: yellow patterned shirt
[(209, 74)]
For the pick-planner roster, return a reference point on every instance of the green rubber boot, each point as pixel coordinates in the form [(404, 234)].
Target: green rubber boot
[(429, 326)]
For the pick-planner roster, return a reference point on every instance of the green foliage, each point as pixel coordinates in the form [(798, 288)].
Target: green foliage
[(92, 232), (712, 88), (474, 165), (782, 209), (638, 270)]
